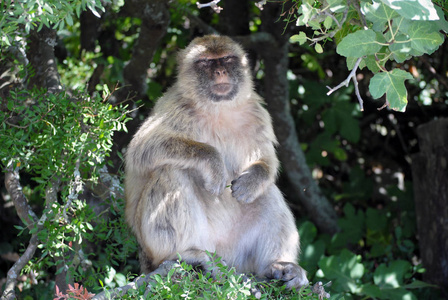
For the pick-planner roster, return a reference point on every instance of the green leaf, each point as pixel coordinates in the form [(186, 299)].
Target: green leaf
[(69, 19), (328, 22), (391, 276), (417, 284), (422, 35), (337, 6), (318, 48), (379, 14), (360, 43), (343, 269), (298, 38), (442, 24), (401, 49), (306, 11), (414, 10), (391, 84)]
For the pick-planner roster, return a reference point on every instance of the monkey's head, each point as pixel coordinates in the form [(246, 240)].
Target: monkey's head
[(214, 68)]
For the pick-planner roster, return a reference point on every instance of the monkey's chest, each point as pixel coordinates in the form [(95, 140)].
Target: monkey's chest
[(234, 135)]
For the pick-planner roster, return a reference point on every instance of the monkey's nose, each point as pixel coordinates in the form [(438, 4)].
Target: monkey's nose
[(221, 72)]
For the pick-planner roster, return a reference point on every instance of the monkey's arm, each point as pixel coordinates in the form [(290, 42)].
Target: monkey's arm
[(254, 180), (160, 150)]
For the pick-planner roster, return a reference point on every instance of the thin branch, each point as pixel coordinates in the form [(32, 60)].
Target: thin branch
[(347, 80), (360, 14), (260, 4), (333, 32), (213, 4), (358, 95), (351, 76)]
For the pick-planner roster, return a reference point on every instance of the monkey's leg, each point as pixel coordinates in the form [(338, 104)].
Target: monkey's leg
[(172, 220), (272, 240)]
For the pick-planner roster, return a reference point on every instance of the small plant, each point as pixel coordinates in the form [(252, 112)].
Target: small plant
[(76, 292)]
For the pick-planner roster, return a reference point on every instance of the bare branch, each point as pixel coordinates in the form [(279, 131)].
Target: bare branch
[(213, 4), (351, 76), (260, 4), (15, 270), (14, 188), (358, 95)]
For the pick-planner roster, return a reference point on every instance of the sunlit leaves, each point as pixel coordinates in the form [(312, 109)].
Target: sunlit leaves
[(422, 37), (343, 269), (360, 43), (298, 38), (392, 84), (20, 17), (414, 9), (379, 14), (377, 32)]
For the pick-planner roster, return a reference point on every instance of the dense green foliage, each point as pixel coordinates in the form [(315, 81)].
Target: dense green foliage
[(373, 34), (62, 142)]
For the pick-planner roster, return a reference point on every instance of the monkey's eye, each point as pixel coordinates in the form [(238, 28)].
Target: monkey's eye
[(228, 59), (204, 63)]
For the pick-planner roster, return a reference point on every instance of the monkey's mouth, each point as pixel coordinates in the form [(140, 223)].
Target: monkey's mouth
[(221, 88)]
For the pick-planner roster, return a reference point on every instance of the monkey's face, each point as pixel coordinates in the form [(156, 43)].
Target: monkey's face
[(218, 76), (213, 68)]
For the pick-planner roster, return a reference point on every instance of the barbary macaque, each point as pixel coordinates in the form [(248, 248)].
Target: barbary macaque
[(201, 171)]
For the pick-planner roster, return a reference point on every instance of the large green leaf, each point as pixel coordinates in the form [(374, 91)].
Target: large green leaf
[(360, 43), (379, 14), (391, 276), (401, 49), (343, 269), (391, 84), (423, 36), (414, 9)]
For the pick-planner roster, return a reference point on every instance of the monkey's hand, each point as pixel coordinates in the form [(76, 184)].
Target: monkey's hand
[(293, 275), (251, 183), (215, 174)]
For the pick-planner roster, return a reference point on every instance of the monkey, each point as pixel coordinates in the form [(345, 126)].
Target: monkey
[(200, 171)]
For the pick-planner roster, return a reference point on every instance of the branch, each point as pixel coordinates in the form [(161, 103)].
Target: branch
[(260, 4), (24, 211), (40, 53), (155, 20), (15, 270), (213, 4), (29, 218), (351, 76)]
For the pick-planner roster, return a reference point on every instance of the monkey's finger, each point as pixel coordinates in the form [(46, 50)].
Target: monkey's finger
[(297, 282)]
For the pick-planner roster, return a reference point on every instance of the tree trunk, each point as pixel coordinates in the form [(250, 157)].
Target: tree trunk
[(276, 94), (430, 177)]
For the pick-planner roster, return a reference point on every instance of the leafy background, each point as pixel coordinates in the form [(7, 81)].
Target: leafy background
[(67, 145)]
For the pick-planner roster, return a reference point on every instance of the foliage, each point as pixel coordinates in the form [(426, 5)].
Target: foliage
[(374, 34), (64, 141), (186, 282), (381, 273), (24, 16), (55, 134)]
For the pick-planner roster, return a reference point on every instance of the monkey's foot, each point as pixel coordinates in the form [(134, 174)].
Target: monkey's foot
[(293, 275)]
